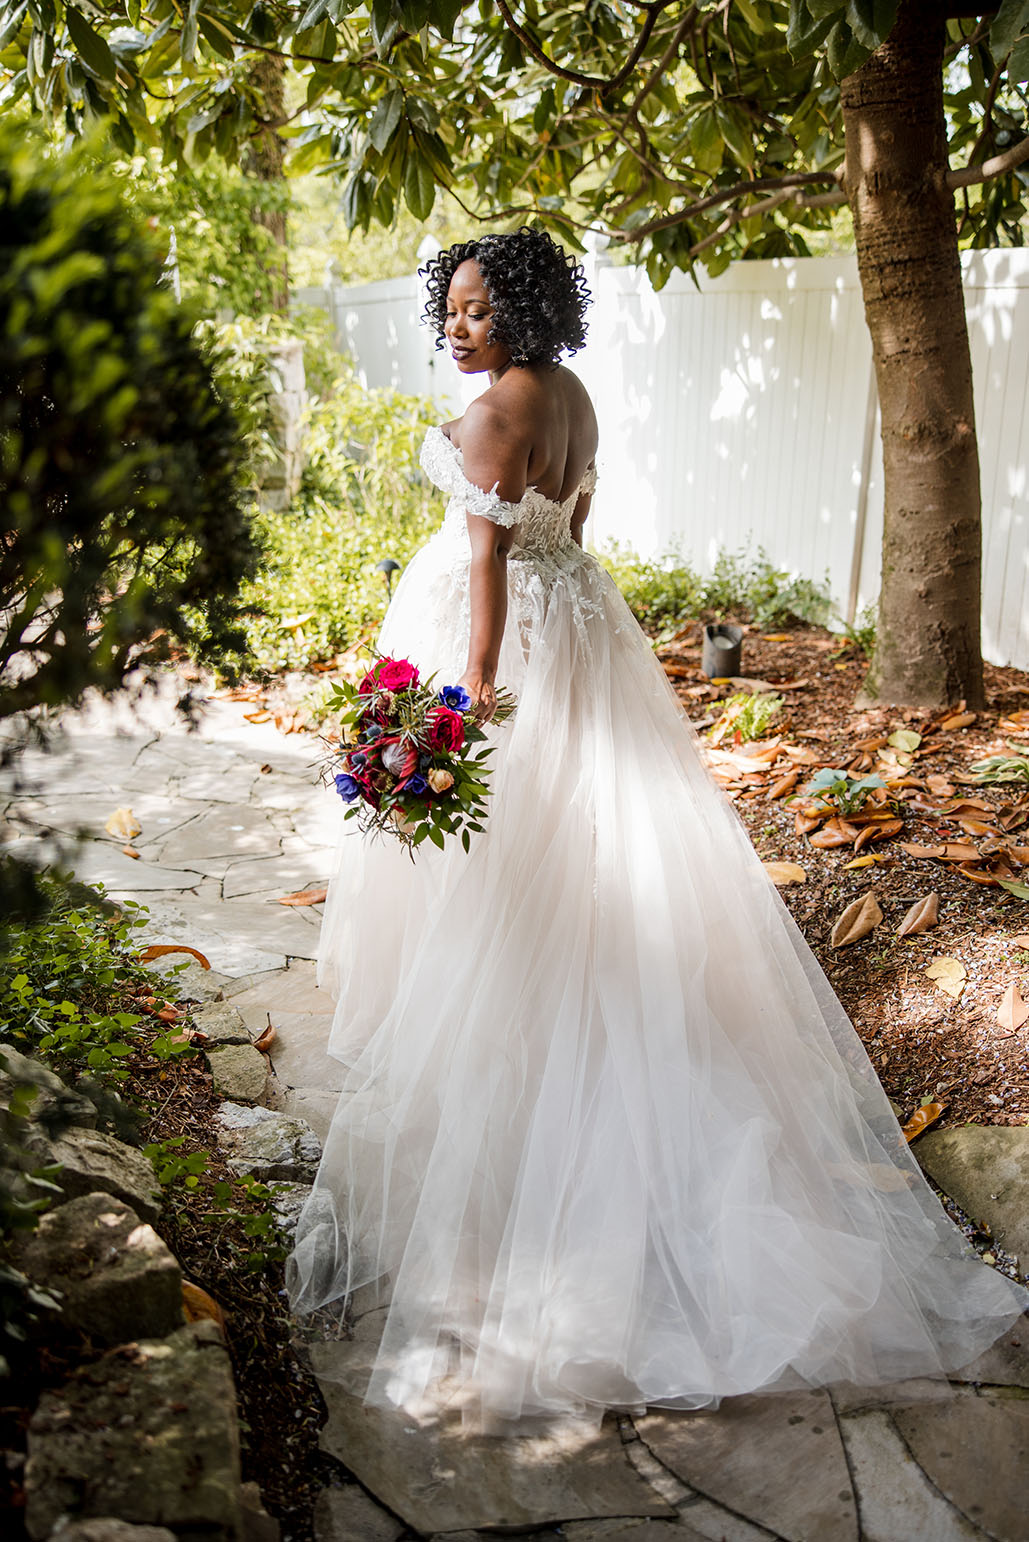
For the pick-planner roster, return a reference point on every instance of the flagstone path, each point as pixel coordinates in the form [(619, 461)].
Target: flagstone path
[(232, 819)]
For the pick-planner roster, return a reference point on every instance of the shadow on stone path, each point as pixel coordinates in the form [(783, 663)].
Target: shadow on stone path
[(233, 818)]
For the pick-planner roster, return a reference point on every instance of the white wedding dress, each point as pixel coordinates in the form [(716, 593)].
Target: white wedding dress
[(607, 1138)]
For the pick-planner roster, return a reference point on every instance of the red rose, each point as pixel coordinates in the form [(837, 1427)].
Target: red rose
[(390, 675), (446, 729)]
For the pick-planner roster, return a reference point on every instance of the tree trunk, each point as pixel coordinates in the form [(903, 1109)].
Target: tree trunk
[(264, 160), (927, 650)]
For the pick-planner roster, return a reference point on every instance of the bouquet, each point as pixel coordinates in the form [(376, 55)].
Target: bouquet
[(411, 757)]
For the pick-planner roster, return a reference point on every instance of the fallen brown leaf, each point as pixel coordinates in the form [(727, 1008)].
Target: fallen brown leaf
[(130, 851), (1013, 1011), (303, 897), (160, 949), (198, 1306), (921, 1119), (922, 917), (960, 851), (977, 874), (948, 975), (831, 835), (784, 785), (1021, 941), (856, 922), (785, 872), (914, 850), (266, 1039), (124, 824), (959, 720)]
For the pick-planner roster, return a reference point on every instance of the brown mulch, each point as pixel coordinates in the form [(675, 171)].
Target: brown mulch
[(923, 1043)]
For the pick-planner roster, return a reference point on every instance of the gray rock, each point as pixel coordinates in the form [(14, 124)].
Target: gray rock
[(777, 1460), (986, 1169), (220, 1023), (348, 1514), (234, 1117), (92, 1162), (271, 1147), (287, 1203), (53, 1101), (189, 981), (1004, 1364), (148, 1434), (975, 1450), (898, 1503), (630, 1531), (115, 1277), (437, 1477), (239, 1072), (258, 1525), (106, 1529)]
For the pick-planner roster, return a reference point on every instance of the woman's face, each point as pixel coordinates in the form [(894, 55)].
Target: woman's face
[(468, 320)]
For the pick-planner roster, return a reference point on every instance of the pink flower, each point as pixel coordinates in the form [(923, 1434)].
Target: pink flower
[(390, 675)]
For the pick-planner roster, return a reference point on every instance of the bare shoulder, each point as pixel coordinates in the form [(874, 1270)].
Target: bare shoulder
[(495, 442)]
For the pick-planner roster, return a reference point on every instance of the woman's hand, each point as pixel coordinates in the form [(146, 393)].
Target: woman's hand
[(483, 693)]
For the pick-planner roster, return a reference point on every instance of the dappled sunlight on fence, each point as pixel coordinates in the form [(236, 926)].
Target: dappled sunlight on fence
[(742, 413)]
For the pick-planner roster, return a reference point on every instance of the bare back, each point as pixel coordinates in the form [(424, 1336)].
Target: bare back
[(536, 426)]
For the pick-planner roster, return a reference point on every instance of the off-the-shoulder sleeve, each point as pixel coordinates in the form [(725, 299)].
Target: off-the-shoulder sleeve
[(589, 481), (441, 460), (487, 505)]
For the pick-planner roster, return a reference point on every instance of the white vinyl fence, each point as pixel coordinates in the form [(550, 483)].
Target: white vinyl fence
[(743, 414)]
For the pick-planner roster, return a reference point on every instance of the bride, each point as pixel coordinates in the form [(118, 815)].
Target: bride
[(606, 1137)]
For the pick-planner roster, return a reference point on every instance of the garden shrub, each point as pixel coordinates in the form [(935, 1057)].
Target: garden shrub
[(363, 498), (126, 530), (664, 591)]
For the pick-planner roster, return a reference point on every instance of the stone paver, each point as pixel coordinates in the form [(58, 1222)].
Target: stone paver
[(233, 818), (777, 1461)]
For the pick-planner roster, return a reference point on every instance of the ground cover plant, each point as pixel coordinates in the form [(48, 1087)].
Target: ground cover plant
[(75, 995)]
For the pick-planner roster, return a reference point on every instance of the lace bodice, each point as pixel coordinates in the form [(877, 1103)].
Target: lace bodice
[(544, 527)]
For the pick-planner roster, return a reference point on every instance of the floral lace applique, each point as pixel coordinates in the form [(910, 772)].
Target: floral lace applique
[(441, 462)]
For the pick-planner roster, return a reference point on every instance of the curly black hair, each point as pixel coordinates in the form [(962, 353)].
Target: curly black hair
[(538, 293)]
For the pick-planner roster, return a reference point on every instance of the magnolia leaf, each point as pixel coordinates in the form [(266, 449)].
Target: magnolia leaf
[(785, 872), (266, 1039), (856, 922), (948, 975), (1013, 1011), (1021, 941), (960, 851), (905, 739), (921, 851), (785, 784), (1019, 890), (959, 720), (921, 1119), (124, 824), (922, 917), (198, 1306), (160, 949), (89, 45), (868, 860), (303, 897)]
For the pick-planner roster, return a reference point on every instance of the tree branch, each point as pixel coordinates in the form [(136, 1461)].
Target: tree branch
[(797, 179), (670, 53), (601, 83), (996, 166)]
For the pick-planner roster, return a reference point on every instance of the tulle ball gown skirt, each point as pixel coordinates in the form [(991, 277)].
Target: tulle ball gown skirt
[(607, 1138)]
